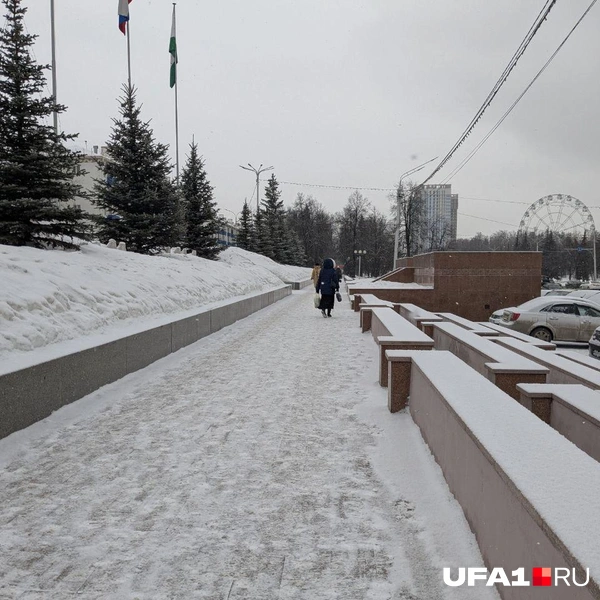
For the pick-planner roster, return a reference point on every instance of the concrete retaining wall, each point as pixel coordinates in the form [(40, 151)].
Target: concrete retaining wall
[(31, 394), (298, 285)]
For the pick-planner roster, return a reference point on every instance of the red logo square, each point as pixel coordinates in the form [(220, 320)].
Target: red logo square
[(542, 576)]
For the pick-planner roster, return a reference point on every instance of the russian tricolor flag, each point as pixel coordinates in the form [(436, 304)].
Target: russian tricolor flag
[(123, 15)]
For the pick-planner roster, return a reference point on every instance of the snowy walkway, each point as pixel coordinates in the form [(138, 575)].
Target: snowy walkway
[(259, 463)]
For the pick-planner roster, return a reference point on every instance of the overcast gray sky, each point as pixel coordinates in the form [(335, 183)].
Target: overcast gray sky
[(346, 92)]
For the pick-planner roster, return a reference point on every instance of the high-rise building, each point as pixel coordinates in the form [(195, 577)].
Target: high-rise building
[(439, 216)]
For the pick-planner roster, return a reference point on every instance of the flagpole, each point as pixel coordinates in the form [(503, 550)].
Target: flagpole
[(176, 112), (53, 30), (176, 135), (128, 25)]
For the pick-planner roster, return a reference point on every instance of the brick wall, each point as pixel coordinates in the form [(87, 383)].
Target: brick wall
[(469, 284)]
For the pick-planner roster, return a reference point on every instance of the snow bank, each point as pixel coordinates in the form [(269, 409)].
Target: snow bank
[(246, 260), (52, 296)]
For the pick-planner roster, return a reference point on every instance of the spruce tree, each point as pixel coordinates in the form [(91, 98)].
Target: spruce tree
[(245, 238), (36, 169), (295, 249), (137, 191), (201, 218), (273, 226), (262, 242)]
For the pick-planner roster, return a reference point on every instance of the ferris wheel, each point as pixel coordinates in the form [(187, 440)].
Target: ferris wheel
[(558, 213)]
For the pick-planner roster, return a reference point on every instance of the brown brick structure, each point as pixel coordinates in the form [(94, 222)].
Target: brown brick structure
[(469, 284)]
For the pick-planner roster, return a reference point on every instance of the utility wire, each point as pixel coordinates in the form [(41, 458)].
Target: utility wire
[(490, 220), (346, 187), (490, 200), (511, 65), (489, 134), (336, 187)]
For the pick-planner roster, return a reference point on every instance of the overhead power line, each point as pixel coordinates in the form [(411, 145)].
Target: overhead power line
[(337, 187), (490, 200), (509, 67), (377, 189), (484, 219), (490, 133)]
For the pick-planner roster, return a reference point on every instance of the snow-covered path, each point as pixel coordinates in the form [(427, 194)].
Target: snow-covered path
[(259, 463)]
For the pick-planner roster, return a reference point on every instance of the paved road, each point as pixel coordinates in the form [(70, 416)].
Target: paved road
[(260, 463)]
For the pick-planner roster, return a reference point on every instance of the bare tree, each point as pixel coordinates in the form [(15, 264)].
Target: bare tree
[(351, 228), (436, 235), (377, 236), (313, 226), (410, 219)]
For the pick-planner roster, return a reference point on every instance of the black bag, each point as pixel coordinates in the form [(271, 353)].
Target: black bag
[(338, 296)]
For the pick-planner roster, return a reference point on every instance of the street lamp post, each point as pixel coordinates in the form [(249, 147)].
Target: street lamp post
[(594, 253), (398, 198), (235, 214), (257, 172), (360, 254)]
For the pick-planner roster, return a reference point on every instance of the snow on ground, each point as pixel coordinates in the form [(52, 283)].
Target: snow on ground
[(244, 259), (260, 462), (51, 296)]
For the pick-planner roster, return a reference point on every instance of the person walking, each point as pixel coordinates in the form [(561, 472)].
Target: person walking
[(315, 273), (328, 284)]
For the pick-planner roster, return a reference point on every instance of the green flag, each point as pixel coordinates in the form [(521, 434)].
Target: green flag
[(173, 52)]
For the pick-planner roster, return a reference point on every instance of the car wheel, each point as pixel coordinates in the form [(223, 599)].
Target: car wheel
[(541, 333)]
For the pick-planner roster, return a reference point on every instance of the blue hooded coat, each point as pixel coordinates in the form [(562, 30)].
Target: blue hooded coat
[(328, 283)]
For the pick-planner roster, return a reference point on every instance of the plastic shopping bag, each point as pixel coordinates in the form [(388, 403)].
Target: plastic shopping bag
[(317, 300)]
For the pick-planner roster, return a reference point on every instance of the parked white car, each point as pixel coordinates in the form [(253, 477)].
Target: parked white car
[(550, 318), (594, 347)]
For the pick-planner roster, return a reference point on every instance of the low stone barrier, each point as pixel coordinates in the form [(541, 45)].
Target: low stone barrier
[(561, 369), (505, 368), (31, 394), (506, 332), (390, 330), (573, 410), (366, 303), (468, 325), (530, 496), (417, 316), (582, 359), (298, 285)]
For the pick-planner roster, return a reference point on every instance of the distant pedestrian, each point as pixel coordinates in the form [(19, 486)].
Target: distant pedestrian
[(328, 284), (315, 273), (338, 271)]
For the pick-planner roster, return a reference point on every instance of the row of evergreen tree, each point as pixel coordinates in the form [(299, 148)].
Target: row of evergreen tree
[(564, 254), (149, 211), (306, 232), (145, 208), (267, 231)]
